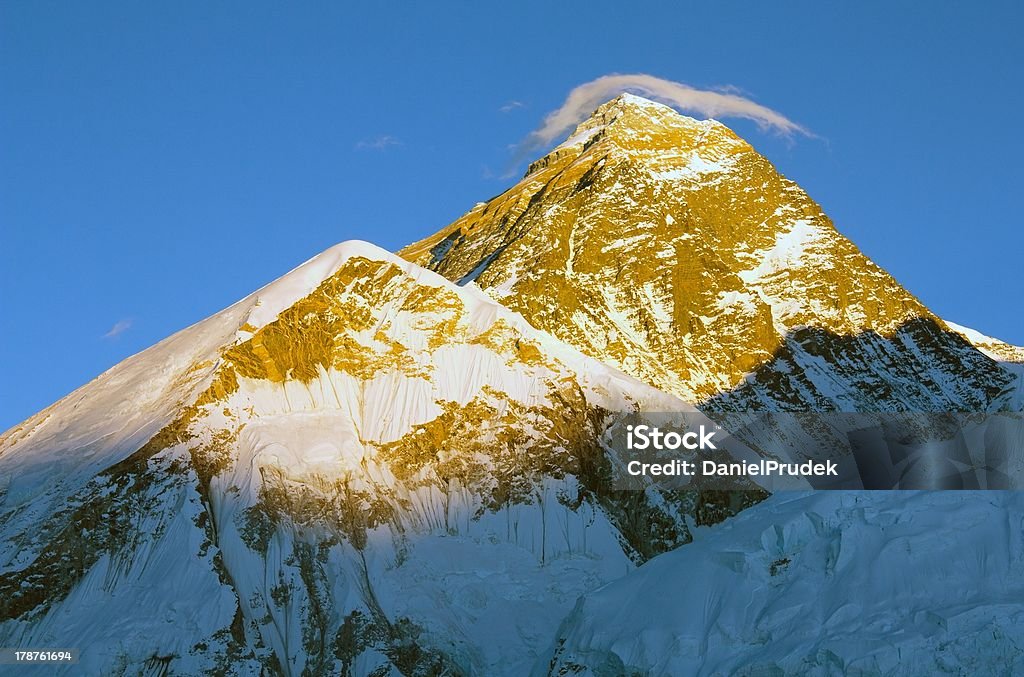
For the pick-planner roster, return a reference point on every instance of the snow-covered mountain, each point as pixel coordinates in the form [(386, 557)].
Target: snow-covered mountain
[(399, 465), (340, 471), (669, 248)]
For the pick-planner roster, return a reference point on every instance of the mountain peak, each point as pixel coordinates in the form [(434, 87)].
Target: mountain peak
[(651, 233), (632, 110), (626, 99), (300, 281), (634, 123)]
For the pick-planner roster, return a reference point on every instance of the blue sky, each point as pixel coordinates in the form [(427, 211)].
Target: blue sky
[(158, 161)]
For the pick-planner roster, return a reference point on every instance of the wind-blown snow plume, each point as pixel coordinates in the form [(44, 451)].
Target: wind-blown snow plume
[(583, 99)]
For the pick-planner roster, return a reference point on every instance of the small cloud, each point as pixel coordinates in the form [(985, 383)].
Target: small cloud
[(382, 142), (120, 327), (511, 106)]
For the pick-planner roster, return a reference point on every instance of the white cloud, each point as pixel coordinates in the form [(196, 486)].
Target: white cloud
[(120, 327), (382, 142), (511, 106), (720, 102)]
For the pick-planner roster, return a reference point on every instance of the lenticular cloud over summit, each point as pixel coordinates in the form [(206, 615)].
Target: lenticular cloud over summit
[(582, 100)]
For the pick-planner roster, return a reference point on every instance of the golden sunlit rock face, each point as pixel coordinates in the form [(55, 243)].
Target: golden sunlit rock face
[(372, 319), (670, 248)]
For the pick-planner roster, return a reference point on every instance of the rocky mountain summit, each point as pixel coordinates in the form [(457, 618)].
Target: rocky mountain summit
[(669, 248)]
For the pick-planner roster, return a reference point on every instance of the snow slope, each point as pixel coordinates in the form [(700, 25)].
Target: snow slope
[(1010, 357), (105, 420), (834, 583)]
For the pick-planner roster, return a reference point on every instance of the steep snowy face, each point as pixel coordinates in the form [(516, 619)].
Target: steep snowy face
[(670, 248), (1009, 357), (123, 408), (835, 583), (246, 493), (993, 347)]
